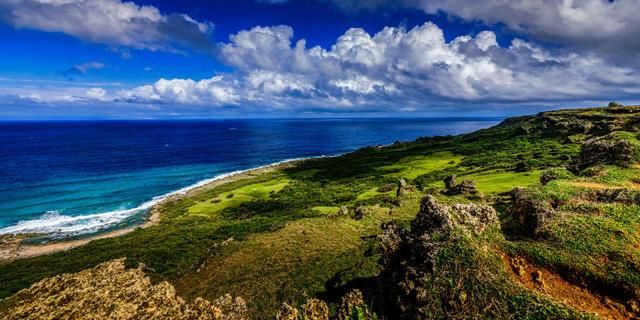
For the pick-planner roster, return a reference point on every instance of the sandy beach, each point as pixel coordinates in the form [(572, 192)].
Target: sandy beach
[(13, 247)]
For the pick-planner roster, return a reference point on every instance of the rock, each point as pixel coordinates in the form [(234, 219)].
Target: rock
[(633, 306), (537, 278), (532, 214), (408, 257), (287, 312), (450, 182), (360, 213), (343, 211), (518, 266), (315, 309), (609, 149), (109, 291), (616, 195), (403, 188), (352, 306), (548, 176), (522, 167), (465, 187)]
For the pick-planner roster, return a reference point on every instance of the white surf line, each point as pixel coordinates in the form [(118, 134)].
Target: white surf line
[(55, 223)]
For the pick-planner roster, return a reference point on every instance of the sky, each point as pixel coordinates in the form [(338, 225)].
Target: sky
[(147, 59)]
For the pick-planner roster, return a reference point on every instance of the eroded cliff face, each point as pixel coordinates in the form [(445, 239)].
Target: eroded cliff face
[(109, 291)]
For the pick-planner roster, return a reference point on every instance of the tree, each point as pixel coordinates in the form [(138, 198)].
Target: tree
[(614, 104)]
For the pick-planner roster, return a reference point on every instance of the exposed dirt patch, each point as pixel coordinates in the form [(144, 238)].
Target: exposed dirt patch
[(549, 283), (599, 186), (590, 185)]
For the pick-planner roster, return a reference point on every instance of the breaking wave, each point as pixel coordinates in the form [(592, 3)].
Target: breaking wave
[(54, 224)]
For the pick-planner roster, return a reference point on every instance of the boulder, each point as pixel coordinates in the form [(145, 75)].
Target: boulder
[(403, 188), (343, 211), (532, 214), (465, 187), (616, 195), (287, 312), (352, 306), (360, 213), (315, 309), (548, 176)]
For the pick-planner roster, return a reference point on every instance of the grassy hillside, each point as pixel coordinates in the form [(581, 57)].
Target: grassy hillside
[(567, 243)]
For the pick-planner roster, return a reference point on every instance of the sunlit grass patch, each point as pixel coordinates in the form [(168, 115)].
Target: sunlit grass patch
[(411, 167), (237, 196), (373, 192), (326, 210), (497, 182)]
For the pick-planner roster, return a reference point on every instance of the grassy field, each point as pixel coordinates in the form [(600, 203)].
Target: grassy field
[(277, 237)]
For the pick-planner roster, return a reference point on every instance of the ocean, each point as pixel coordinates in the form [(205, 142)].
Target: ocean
[(73, 178)]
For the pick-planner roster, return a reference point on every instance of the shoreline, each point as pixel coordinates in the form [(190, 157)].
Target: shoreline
[(12, 247)]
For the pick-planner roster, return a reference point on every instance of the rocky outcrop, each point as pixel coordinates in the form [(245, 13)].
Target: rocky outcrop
[(548, 176), (360, 213), (343, 211), (616, 195), (108, 291), (606, 150), (315, 309), (465, 187), (352, 306), (408, 257), (532, 214), (403, 188), (287, 312)]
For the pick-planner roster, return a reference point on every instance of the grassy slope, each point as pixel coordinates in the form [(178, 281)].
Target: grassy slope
[(288, 247)]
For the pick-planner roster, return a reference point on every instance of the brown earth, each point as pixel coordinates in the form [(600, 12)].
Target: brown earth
[(552, 285)]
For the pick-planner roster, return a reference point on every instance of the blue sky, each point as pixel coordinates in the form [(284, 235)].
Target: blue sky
[(71, 59)]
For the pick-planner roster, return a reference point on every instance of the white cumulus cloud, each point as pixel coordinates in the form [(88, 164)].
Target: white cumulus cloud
[(394, 68), (111, 22)]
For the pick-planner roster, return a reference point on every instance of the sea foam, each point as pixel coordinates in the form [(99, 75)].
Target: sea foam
[(54, 224)]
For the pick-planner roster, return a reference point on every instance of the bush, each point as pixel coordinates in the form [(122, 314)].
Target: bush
[(615, 104)]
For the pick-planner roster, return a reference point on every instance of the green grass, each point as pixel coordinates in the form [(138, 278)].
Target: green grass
[(237, 196), (498, 182), (412, 167), (326, 210)]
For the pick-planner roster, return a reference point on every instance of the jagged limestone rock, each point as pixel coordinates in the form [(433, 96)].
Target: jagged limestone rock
[(408, 257), (532, 214), (353, 306), (403, 188), (287, 312), (343, 211), (360, 213), (315, 309), (616, 148), (616, 195), (465, 187), (108, 291)]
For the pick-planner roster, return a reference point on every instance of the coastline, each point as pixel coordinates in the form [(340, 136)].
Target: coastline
[(12, 247)]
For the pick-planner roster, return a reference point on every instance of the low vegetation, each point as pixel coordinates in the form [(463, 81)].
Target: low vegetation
[(551, 206)]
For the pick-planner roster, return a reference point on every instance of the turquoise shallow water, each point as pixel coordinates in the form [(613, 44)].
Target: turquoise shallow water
[(75, 178)]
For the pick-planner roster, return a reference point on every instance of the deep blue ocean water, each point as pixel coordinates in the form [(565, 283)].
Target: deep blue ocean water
[(74, 178)]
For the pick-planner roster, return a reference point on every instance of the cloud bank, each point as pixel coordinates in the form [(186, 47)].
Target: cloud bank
[(111, 22), (392, 69)]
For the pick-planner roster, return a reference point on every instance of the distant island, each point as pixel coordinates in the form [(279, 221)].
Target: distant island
[(535, 218)]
